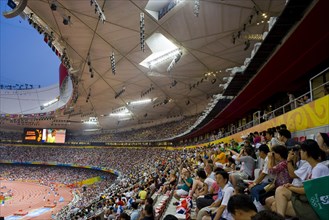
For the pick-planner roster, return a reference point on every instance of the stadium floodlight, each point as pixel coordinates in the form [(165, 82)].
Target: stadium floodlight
[(169, 55), (143, 101), (50, 102), (91, 121), (121, 114)]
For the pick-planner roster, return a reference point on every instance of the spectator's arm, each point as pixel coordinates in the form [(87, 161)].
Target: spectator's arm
[(260, 178), (291, 159), (220, 211), (298, 190), (216, 203)]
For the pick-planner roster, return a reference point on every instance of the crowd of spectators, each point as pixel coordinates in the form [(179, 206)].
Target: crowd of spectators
[(158, 132), (5, 135), (47, 175), (216, 177)]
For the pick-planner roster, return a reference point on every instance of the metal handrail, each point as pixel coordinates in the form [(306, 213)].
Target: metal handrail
[(273, 113)]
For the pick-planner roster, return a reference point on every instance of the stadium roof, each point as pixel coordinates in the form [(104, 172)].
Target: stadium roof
[(206, 37)]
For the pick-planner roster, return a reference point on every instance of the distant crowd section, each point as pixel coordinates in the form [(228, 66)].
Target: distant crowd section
[(48, 175), (158, 132), (109, 158), (11, 136)]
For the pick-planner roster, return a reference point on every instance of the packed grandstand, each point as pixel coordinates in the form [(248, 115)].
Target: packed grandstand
[(253, 151)]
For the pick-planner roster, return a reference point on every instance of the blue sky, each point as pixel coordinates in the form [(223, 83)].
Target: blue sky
[(25, 57)]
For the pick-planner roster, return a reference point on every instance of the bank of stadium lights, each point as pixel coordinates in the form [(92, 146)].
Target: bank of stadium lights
[(139, 102), (175, 54), (246, 45), (196, 8), (254, 14), (206, 76), (163, 102), (35, 24), (142, 31), (263, 19), (175, 60), (90, 66), (91, 121), (143, 93), (65, 60), (117, 94), (49, 39), (123, 113), (98, 10), (88, 96), (112, 59), (47, 104)]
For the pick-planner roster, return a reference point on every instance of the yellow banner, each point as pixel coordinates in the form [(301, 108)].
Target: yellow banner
[(89, 181)]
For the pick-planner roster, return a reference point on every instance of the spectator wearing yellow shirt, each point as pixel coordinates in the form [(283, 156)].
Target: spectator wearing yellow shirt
[(142, 195), (221, 157)]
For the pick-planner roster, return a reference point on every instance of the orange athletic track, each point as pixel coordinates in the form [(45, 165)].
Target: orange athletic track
[(29, 196)]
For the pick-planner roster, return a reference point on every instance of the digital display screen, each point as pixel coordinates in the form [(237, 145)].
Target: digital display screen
[(45, 135)]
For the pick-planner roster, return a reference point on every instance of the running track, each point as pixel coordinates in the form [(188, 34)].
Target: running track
[(30, 196)]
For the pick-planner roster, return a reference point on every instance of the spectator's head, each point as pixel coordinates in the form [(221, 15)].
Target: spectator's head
[(269, 134), (248, 151), (231, 160), (241, 207), (201, 174), (124, 216), (149, 201), (208, 168), (148, 210), (283, 126), (222, 178), (217, 169), (284, 135), (267, 215), (311, 150), (239, 188), (134, 205), (280, 152), (170, 217), (263, 151)]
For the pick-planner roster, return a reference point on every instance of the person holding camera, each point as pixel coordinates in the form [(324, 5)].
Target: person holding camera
[(294, 202), (299, 170), (186, 185), (247, 168)]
